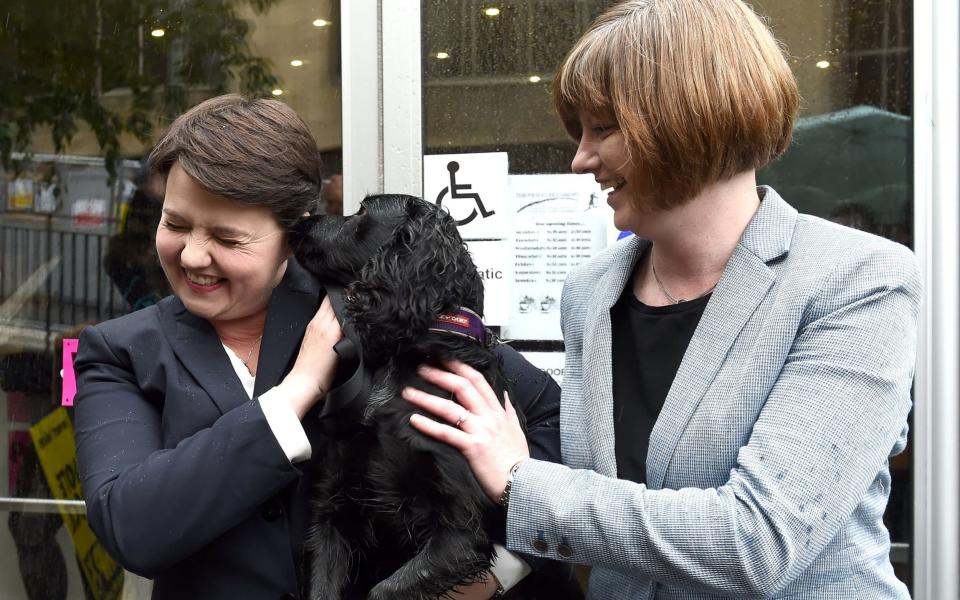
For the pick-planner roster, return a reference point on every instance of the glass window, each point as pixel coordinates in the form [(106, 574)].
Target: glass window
[(84, 93), (488, 65)]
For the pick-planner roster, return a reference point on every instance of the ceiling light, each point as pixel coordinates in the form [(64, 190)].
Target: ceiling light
[(158, 32), (492, 11), (277, 92), (296, 63), (534, 79), (320, 22), (442, 55), (823, 64)]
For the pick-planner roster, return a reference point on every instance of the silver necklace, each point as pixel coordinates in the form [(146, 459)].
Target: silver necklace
[(667, 294), (250, 354)]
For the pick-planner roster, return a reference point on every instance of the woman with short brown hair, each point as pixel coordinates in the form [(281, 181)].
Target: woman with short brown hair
[(196, 417), (737, 374)]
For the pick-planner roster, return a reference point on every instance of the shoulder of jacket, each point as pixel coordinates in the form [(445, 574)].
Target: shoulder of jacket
[(615, 256), (131, 322)]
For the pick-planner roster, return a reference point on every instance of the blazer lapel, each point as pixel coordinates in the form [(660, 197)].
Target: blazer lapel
[(598, 360), (745, 282), (196, 344), (292, 305)]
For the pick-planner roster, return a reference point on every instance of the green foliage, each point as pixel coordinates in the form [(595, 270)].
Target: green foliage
[(95, 61)]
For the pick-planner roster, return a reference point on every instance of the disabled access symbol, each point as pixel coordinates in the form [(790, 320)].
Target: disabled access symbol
[(456, 193)]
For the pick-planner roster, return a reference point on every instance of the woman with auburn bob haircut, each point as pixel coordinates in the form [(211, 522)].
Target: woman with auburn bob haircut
[(737, 374)]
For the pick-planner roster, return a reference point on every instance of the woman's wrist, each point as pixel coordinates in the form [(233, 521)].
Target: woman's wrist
[(302, 392)]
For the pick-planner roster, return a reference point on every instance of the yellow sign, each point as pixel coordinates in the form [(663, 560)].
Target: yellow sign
[(20, 194), (53, 439)]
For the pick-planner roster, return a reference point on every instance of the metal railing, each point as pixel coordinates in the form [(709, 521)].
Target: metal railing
[(52, 278)]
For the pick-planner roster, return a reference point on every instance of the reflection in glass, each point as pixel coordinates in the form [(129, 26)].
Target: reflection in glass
[(84, 93)]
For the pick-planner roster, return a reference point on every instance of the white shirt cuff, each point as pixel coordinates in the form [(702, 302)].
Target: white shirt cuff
[(286, 426), (507, 567)]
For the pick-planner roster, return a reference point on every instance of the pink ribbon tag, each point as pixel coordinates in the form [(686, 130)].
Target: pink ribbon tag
[(69, 377)]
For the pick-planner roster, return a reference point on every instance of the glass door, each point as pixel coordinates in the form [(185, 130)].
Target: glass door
[(83, 95)]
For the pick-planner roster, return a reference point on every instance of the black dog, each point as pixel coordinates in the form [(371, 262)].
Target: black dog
[(394, 514)]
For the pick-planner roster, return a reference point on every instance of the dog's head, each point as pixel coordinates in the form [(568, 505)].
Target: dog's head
[(401, 261)]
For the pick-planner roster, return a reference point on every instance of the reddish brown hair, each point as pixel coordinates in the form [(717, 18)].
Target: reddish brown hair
[(700, 90)]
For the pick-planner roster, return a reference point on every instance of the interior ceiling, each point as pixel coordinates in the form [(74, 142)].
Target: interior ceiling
[(286, 33), (481, 91)]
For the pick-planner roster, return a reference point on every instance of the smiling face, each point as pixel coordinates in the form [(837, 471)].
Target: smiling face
[(602, 152), (222, 258)]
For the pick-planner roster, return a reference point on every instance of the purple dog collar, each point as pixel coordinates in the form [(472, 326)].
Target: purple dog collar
[(464, 322)]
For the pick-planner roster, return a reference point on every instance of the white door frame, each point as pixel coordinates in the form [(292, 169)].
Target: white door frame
[(382, 124), (936, 417)]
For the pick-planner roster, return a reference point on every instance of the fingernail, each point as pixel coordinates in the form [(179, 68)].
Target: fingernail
[(423, 369)]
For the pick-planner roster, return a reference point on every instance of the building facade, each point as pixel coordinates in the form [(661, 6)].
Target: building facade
[(392, 89)]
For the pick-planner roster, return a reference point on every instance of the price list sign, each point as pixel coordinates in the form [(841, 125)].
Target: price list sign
[(559, 222)]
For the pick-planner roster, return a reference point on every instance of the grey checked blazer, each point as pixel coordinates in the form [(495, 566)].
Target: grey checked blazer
[(768, 466)]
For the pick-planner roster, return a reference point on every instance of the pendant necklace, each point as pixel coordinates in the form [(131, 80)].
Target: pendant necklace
[(250, 354), (667, 294)]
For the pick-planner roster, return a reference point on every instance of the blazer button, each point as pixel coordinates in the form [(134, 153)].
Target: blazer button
[(272, 510), (540, 544), (564, 550)]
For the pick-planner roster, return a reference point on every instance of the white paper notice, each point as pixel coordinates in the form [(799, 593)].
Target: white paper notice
[(472, 188), (89, 212), (559, 221), (493, 261), (46, 198)]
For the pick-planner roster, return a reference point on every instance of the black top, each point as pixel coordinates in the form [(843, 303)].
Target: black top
[(648, 345)]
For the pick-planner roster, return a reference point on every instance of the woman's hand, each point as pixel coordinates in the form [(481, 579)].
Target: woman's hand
[(488, 435), (316, 363)]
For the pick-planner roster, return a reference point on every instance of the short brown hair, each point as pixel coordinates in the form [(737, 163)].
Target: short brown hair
[(253, 150), (700, 90)]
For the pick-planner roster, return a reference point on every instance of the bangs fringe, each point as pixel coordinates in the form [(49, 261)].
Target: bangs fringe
[(583, 83)]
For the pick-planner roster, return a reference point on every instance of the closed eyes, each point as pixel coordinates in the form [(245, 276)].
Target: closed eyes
[(226, 242)]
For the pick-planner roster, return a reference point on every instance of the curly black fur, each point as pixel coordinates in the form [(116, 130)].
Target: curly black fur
[(395, 514)]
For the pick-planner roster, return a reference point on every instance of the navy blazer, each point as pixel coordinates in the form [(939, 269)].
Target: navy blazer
[(184, 481)]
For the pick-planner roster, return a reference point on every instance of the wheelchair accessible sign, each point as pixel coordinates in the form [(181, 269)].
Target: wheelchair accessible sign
[(474, 190)]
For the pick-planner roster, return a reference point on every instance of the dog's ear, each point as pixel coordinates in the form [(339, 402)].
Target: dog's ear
[(422, 271)]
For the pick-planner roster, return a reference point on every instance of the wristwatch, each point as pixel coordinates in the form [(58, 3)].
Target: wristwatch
[(505, 496)]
